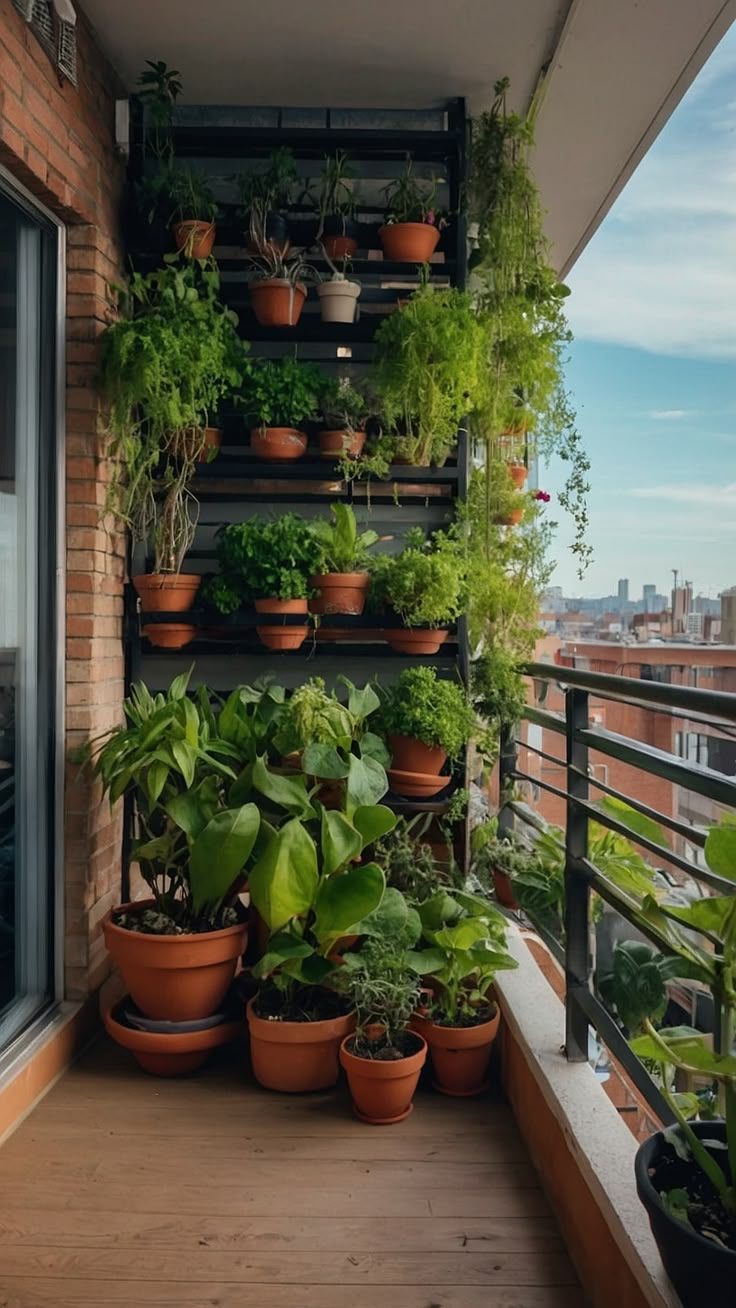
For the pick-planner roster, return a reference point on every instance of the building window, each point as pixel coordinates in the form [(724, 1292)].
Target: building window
[(29, 636)]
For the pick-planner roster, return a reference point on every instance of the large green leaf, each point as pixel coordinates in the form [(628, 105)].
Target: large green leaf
[(362, 700), (716, 915), (372, 746), (187, 812), (280, 948), (720, 850), (341, 843), (638, 823), (186, 760), (220, 852), (156, 778), (461, 936), (288, 792), (373, 821), (180, 684), (344, 900), (367, 783), (284, 881), (191, 722), (325, 762), (687, 1047), (392, 917)]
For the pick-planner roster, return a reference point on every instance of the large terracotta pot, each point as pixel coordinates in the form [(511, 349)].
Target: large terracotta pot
[(277, 444), (410, 755), (504, 890), (409, 242), (416, 640), (339, 592), (282, 637), (510, 519), (169, 635), (334, 443), (169, 1054), (296, 1056), (382, 1090), (167, 592), (460, 1054), (175, 978), (277, 302), (195, 237)]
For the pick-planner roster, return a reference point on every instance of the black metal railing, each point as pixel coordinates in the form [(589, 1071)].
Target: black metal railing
[(582, 737)]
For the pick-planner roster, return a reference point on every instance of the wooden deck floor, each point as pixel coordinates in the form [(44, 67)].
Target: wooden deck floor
[(208, 1192)]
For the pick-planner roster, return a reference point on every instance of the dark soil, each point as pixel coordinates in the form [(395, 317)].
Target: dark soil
[(383, 1050), (476, 1018), (151, 922), (311, 1004), (705, 1211)]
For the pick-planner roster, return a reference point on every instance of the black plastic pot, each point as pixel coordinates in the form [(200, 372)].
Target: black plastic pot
[(277, 230), (702, 1272), (336, 224)]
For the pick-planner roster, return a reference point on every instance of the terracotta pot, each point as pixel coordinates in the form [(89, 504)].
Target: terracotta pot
[(460, 1054), (195, 238), (169, 635), (277, 444), (504, 890), (339, 247), (296, 1056), (339, 592), (510, 519), (176, 978), (282, 637), (338, 301), (167, 592), (415, 785), (518, 474), (416, 640), (409, 242), (204, 443), (382, 1091), (414, 756), (169, 1054), (277, 302), (334, 444)]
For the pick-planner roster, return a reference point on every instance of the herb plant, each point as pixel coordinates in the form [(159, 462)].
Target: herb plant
[(281, 394), (384, 989), (409, 200), (343, 548), (270, 559), (426, 583), (429, 709), (337, 195), (190, 195), (271, 188)]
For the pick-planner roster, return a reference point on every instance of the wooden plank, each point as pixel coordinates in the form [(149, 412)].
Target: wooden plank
[(22, 1292)]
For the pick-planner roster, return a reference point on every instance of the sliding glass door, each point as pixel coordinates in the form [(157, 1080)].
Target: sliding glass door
[(28, 627)]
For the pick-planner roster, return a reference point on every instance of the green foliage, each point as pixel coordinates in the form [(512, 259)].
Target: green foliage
[(409, 200), (343, 548), (281, 394), (428, 708), (504, 496), (160, 88), (272, 187), (345, 404), (465, 940), (428, 370), (190, 195), (409, 865), (426, 584), (383, 988), (258, 559), (498, 691), (337, 193), (314, 716)]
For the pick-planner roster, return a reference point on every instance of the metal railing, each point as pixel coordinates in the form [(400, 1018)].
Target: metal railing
[(583, 1008)]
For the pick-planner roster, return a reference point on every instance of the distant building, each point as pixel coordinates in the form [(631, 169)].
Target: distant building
[(623, 593), (648, 595), (728, 616), (682, 601)]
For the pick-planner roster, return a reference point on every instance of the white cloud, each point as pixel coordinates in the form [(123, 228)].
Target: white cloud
[(696, 493), (663, 415)]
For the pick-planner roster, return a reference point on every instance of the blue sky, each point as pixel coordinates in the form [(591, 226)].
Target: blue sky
[(653, 366)]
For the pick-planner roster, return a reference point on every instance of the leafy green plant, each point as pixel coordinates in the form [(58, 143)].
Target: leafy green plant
[(409, 200), (426, 583), (271, 559), (270, 262), (465, 940), (428, 370), (281, 394), (190, 195), (408, 864), (498, 692), (345, 405), (271, 188), (343, 548), (337, 193), (384, 990), (430, 709), (505, 497), (159, 89)]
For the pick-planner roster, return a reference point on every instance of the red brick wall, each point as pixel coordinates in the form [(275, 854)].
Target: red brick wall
[(58, 141)]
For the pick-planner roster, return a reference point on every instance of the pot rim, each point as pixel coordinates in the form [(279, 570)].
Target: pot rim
[(186, 937), (326, 579), (279, 282), (383, 1069), (351, 289), (206, 223), (387, 226), (307, 1033), (284, 606), (170, 580)]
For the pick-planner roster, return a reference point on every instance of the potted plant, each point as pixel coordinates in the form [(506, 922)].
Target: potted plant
[(412, 224), (278, 286), (337, 232), (508, 501), (265, 197), (168, 524), (428, 720), (383, 1058), (426, 586), (268, 563), (466, 946), (338, 295), (342, 582), (179, 949), (278, 396), (345, 409), (193, 211), (428, 370), (499, 861)]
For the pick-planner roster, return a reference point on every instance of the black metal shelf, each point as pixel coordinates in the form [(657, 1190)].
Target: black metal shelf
[(244, 465), (249, 618), (310, 650), (235, 141)]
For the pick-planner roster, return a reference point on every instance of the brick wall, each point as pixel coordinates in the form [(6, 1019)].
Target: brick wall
[(58, 141)]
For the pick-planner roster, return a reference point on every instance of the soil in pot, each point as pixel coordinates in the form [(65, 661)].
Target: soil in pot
[(282, 637), (176, 977), (169, 635), (412, 755), (409, 242), (460, 1054), (339, 592), (415, 785), (167, 592), (336, 444), (297, 1051), (338, 301), (702, 1270), (277, 302), (416, 640), (170, 1053), (195, 237), (382, 1083), (277, 444)]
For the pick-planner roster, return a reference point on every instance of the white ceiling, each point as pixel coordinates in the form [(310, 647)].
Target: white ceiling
[(615, 69)]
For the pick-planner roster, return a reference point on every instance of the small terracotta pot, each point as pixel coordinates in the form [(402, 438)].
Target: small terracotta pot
[(412, 755), (338, 301), (169, 635), (339, 592), (167, 592), (415, 785), (282, 637), (382, 1091), (175, 978), (204, 443), (460, 1054), (518, 473), (339, 247), (334, 444), (504, 890), (277, 444), (416, 640), (277, 302), (510, 519), (296, 1056), (195, 237), (169, 1054), (409, 242)]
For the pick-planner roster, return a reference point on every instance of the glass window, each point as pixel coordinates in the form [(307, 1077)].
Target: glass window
[(28, 635)]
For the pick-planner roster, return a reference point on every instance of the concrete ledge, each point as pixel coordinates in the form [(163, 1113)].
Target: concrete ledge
[(582, 1150)]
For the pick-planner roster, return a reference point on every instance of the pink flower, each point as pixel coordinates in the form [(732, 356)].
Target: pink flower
[(429, 217), (543, 496)]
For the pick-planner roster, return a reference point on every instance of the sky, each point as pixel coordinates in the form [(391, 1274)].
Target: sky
[(653, 367)]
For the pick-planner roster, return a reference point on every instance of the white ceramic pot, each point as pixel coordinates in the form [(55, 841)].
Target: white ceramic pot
[(338, 301)]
